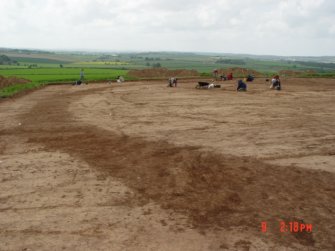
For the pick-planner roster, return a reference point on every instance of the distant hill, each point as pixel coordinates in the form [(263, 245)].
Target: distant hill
[(37, 56), (200, 61), (5, 60)]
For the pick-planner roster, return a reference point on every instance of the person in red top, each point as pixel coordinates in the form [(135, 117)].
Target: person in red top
[(230, 76)]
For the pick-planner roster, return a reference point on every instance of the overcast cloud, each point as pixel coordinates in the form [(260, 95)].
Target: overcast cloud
[(276, 27)]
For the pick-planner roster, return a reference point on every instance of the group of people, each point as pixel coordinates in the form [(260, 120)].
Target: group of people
[(222, 77), (119, 79), (275, 83), (241, 84)]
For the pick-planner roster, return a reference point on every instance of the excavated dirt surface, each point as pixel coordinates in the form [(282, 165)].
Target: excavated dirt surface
[(141, 166)]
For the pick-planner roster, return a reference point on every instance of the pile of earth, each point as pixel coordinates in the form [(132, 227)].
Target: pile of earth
[(4, 82), (241, 72), (295, 73), (162, 72)]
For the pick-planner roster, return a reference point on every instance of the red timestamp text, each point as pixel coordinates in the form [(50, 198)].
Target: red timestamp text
[(295, 227), (291, 227)]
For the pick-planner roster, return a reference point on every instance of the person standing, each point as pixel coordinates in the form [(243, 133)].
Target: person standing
[(230, 76), (82, 75), (175, 80)]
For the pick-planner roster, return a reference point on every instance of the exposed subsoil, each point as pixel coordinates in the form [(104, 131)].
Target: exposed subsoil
[(91, 174)]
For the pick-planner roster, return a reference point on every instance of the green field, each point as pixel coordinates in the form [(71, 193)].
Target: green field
[(14, 89), (62, 74), (41, 70), (42, 76)]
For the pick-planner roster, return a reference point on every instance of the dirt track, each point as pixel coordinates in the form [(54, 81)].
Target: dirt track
[(140, 166)]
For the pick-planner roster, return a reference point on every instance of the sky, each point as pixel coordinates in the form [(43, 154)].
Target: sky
[(263, 27)]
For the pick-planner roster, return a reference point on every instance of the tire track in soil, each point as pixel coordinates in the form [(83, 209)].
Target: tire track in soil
[(213, 191)]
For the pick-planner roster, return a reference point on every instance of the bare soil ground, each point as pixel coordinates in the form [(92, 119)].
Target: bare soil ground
[(140, 166)]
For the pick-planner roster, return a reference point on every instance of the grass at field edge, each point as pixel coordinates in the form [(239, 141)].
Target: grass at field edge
[(12, 90)]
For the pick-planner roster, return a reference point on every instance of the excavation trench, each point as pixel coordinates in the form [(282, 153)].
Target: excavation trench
[(213, 191)]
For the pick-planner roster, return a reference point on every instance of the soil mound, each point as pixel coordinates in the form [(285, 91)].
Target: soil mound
[(241, 72), (162, 72), (4, 82), (296, 73)]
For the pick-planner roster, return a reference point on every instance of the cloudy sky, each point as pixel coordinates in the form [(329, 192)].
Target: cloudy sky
[(271, 27)]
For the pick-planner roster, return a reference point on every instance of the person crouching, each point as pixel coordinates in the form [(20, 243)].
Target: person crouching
[(172, 82), (275, 83), (241, 86)]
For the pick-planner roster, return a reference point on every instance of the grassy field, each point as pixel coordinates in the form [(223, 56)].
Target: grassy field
[(18, 88), (62, 74), (42, 76)]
